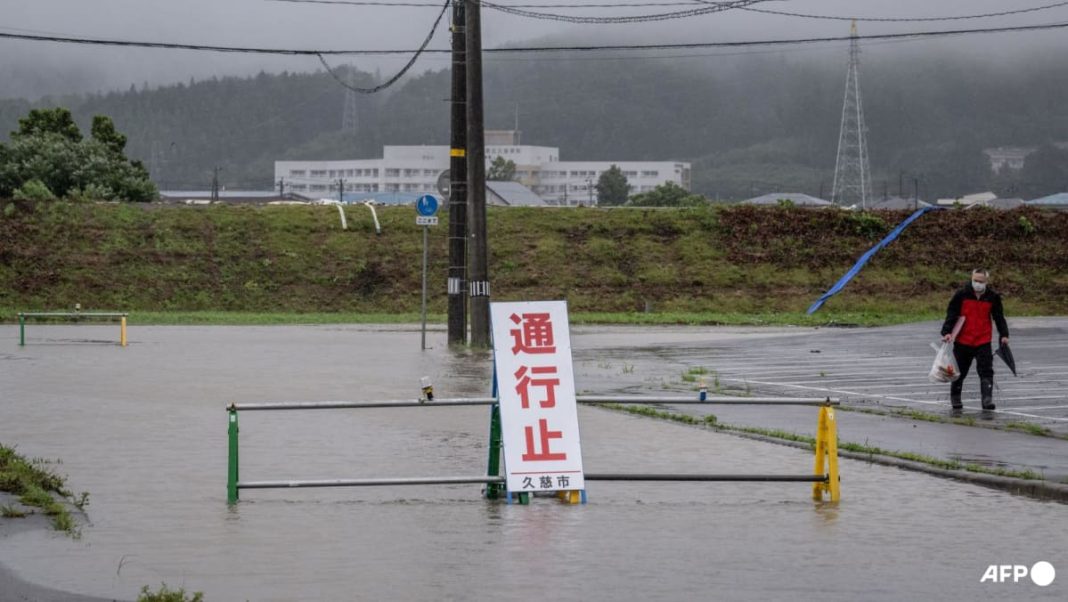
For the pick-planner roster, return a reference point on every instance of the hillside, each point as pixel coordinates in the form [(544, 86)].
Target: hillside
[(750, 124), (297, 259)]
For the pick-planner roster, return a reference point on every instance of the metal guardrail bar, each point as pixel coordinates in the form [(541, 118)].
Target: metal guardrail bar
[(71, 314), (291, 484), (475, 401)]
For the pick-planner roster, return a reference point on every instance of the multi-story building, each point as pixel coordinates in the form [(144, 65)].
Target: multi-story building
[(416, 169)]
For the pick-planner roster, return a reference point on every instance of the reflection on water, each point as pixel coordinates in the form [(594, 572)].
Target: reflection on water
[(143, 429)]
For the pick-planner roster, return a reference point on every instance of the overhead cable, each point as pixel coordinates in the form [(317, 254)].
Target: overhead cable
[(706, 8), (1004, 13), (403, 70), (529, 49)]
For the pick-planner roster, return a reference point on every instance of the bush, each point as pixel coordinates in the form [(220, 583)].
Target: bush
[(33, 190), (166, 594)]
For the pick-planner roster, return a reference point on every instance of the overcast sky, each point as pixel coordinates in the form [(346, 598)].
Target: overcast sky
[(31, 69)]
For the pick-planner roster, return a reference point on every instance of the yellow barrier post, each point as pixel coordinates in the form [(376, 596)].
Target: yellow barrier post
[(827, 456), (122, 331)]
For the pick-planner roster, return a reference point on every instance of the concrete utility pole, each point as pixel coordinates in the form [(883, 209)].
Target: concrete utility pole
[(281, 187), (457, 281), (478, 279), (340, 190)]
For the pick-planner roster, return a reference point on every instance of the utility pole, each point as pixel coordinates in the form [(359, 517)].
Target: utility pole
[(340, 190), (457, 281), (281, 187), (478, 277)]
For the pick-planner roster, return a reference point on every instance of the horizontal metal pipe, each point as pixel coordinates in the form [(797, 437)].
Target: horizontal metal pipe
[(734, 401), (367, 482), (708, 477), (333, 405), (475, 401), (79, 314), (487, 479)]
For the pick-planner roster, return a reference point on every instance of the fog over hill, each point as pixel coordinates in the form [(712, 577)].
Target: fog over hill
[(752, 119)]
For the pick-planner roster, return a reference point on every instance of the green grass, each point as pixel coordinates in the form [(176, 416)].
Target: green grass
[(1030, 428), (165, 594), (11, 512), (37, 484), (860, 448)]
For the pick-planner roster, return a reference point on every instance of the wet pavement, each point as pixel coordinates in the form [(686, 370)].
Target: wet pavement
[(143, 429), (870, 369)]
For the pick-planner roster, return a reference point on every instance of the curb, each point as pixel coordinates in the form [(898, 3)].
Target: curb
[(1038, 489)]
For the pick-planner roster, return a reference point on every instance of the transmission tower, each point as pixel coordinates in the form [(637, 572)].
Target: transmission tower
[(349, 118), (852, 173)]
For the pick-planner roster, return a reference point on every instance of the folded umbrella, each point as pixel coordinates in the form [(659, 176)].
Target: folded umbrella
[(1006, 356)]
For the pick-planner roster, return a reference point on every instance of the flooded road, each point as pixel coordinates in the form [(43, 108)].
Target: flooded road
[(143, 429)]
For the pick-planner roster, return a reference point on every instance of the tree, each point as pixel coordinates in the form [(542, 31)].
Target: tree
[(612, 187), (501, 170), (103, 131), (668, 194), (48, 154), (42, 122)]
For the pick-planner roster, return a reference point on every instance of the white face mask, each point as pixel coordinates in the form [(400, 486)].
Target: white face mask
[(978, 287)]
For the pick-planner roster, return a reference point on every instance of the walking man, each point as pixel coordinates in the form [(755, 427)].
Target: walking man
[(978, 304)]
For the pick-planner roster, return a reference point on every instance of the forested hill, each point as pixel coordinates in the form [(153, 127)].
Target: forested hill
[(750, 125)]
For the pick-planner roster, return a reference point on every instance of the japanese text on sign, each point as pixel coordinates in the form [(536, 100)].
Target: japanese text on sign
[(539, 420)]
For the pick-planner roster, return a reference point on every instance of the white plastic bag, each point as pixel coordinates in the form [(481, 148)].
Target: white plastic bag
[(944, 369)]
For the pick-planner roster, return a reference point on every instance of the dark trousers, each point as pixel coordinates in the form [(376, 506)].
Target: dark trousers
[(984, 363)]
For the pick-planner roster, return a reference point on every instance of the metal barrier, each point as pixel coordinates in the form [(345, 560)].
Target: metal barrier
[(825, 478), (76, 315)]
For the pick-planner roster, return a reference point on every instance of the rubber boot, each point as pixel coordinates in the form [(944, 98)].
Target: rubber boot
[(954, 394), (986, 388)]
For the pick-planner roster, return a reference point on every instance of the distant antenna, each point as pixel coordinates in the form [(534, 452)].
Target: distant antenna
[(852, 173), (349, 118)]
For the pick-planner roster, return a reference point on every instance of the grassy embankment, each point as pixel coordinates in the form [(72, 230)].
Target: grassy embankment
[(249, 265), (37, 485)]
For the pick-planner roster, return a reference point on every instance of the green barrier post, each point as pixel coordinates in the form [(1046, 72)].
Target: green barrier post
[(232, 472)]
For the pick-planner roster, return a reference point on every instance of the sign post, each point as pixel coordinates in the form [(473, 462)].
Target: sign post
[(536, 392), (426, 207)]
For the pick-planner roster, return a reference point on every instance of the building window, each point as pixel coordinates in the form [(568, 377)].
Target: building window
[(650, 174), (296, 173), (392, 173), (318, 173)]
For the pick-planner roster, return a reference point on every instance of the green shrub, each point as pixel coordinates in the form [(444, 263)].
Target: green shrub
[(166, 594)]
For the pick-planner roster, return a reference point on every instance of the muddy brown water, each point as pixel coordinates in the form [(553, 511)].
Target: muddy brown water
[(143, 429)]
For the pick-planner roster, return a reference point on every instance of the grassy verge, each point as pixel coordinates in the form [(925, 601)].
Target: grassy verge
[(37, 485), (859, 448), (1029, 428), (240, 318)]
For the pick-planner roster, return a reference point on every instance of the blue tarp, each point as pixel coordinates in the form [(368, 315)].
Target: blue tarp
[(844, 280)]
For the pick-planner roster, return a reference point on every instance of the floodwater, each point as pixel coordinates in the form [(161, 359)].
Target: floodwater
[(143, 430)]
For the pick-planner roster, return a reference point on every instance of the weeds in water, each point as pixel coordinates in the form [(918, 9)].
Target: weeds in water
[(1030, 428), (34, 482), (166, 594), (628, 368), (11, 512)]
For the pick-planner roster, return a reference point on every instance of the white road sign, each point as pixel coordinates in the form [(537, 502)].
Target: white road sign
[(536, 388)]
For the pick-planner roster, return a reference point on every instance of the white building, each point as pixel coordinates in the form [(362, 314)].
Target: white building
[(416, 169)]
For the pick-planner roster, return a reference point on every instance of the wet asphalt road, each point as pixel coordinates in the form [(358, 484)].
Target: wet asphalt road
[(881, 369)]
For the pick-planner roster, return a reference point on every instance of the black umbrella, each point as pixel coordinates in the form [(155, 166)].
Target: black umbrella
[(1006, 356)]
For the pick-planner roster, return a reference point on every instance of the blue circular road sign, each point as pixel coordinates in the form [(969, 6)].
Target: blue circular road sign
[(426, 205)]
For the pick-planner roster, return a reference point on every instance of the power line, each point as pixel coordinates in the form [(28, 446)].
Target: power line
[(403, 70), (1005, 13), (646, 4), (535, 49), (707, 8)]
